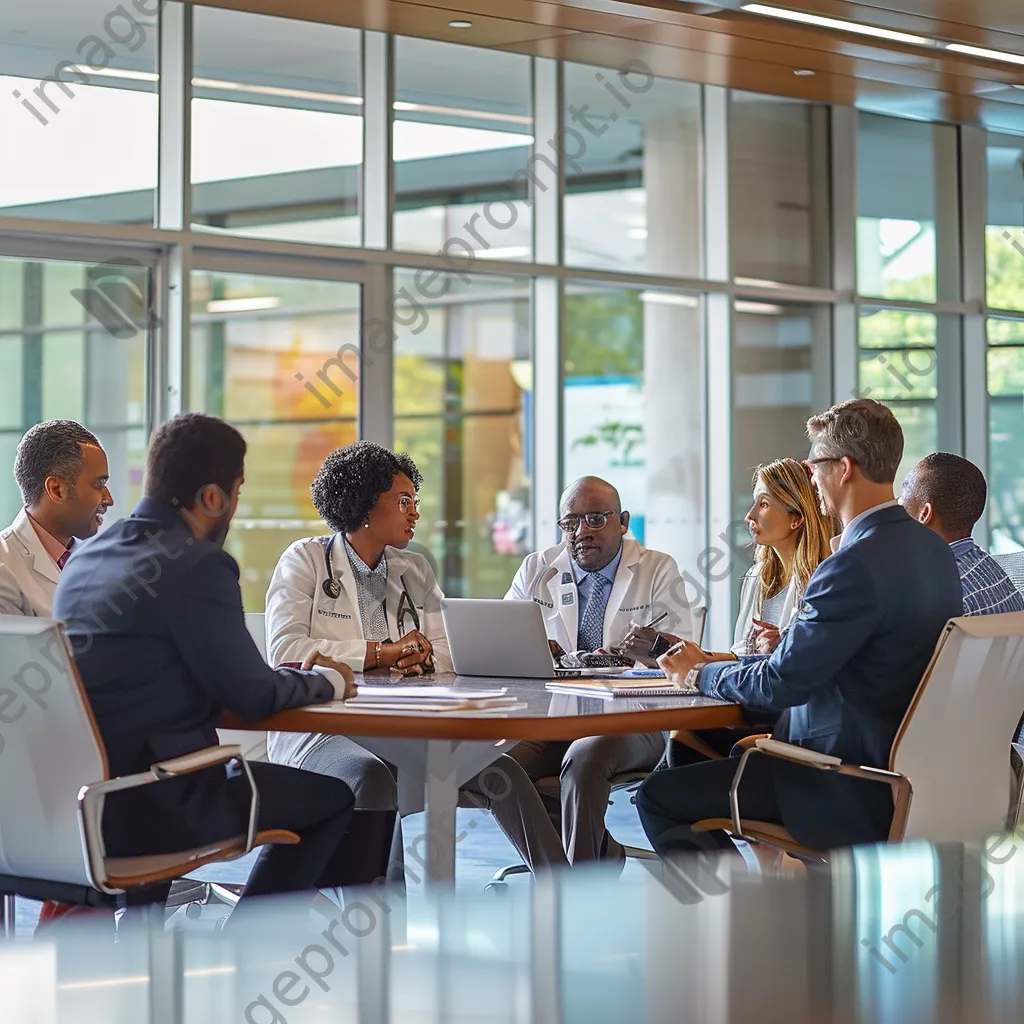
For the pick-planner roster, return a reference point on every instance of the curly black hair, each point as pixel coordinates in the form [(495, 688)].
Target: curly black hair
[(352, 479)]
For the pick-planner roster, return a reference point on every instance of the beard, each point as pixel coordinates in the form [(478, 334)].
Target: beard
[(219, 533)]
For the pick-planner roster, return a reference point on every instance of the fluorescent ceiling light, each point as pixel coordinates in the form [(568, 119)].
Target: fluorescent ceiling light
[(757, 282), (840, 26), (242, 305), (274, 90), (508, 252), (670, 299), (758, 308), (477, 115), (133, 76), (980, 51)]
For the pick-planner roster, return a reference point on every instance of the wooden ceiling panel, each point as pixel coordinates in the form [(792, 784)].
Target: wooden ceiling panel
[(733, 48)]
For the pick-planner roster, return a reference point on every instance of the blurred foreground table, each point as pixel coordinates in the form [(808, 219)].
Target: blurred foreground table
[(436, 753), (912, 934)]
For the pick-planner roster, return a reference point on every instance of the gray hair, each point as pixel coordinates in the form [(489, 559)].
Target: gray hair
[(864, 430), (53, 448)]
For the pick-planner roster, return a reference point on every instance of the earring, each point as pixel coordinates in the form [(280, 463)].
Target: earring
[(366, 526)]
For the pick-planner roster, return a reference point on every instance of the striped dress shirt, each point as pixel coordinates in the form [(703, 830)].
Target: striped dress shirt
[(987, 589)]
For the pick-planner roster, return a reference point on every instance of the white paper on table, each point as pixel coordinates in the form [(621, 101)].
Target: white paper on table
[(422, 693)]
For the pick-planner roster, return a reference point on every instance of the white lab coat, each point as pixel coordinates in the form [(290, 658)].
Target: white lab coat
[(28, 575), (646, 584), (301, 618)]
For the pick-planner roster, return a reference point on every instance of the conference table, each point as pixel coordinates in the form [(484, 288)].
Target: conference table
[(435, 753)]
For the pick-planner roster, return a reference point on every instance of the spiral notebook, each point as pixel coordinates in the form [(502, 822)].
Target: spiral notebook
[(628, 686)]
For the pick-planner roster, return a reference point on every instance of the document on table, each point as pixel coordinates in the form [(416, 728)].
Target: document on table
[(430, 698), (626, 687)]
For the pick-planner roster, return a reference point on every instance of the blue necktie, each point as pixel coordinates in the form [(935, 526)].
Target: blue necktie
[(592, 627)]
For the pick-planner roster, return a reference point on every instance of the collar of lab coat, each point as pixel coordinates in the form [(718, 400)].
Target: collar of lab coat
[(398, 563), (34, 551)]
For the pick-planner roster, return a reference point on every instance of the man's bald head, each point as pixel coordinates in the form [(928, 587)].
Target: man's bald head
[(590, 488), (592, 548)]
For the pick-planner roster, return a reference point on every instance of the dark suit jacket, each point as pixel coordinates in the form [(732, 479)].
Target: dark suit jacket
[(155, 619), (848, 667)]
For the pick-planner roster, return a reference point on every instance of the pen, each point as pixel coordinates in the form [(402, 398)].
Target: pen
[(654, 622)]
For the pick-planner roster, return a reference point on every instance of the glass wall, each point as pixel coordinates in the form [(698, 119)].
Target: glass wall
[(632, 176), (633, 408), (278, 358), (906, 178), (623, 334), (778, 166), (80, 111), (463, 410), (462, 136), (899, 366), (73, 345), (277, 127)]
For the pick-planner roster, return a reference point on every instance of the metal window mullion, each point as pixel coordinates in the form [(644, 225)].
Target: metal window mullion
[(973, 220), (843, 142), (169, 338), (718, 371), (378, 191), (547, 201), (377, 357)]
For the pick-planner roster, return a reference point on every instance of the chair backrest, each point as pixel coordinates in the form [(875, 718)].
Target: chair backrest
[(699, 615), (1013, 566), (954, 742), (49, 748), (253, 744)]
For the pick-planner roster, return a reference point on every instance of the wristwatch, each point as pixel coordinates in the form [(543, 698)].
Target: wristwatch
[(690, 683)]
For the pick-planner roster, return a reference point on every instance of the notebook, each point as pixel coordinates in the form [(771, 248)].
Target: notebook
[(620, 687)]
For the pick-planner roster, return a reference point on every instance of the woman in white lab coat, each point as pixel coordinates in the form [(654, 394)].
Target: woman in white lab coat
[(358, 597)]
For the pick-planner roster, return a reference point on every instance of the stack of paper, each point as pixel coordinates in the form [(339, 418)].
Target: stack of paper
[(632, 687), (429, 698)]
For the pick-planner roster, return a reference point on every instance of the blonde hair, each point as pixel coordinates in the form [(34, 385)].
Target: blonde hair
[(787, 483)]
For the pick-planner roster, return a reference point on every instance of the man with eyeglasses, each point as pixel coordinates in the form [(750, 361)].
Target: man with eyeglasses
[(845, 671), (591, 588)]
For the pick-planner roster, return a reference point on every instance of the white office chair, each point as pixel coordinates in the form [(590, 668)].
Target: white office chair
[(51, 840), (949, 765), (253, 744), (550, 788)]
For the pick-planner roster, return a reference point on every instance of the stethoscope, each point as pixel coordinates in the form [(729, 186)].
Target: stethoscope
[(332, 588)]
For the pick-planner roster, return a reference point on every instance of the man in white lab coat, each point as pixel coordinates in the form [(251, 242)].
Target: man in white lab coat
[(61, 470), (590, 588)]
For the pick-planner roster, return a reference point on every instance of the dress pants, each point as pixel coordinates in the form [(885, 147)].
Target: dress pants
[(211, 805), (585, 769)]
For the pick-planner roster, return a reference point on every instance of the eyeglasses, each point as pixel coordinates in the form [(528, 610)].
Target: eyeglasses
[(595, 520), (405, 503), (809, 464)]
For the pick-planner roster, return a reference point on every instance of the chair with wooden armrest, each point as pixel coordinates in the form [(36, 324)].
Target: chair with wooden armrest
[(973, 687), (51, 839)]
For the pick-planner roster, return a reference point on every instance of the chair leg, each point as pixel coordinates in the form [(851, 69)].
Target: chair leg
[(7, 920)]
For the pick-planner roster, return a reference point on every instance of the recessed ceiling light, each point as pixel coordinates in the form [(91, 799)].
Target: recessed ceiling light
[(460, 24), (835, 23), (804, 72), (980, 51)]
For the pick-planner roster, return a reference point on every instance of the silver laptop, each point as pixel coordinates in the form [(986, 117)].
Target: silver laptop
[(497, 638)]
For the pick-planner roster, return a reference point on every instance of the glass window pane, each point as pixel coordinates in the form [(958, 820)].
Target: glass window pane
[(632, 175), (1004, 235), (463, 411), (1006, 435), (898, 366), (903, 176), (80, 112), (778, 160), (277, 127), (278, 358), (633, 409), (462, 136), (777, 373), (75, 350)]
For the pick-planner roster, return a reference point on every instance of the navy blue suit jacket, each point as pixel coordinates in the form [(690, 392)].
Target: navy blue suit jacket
[(850, 663), (155, 619)]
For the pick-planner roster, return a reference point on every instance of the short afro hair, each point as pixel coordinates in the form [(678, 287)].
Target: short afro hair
[(190, 452), (353, 478), (53, 448), (955, 487)]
